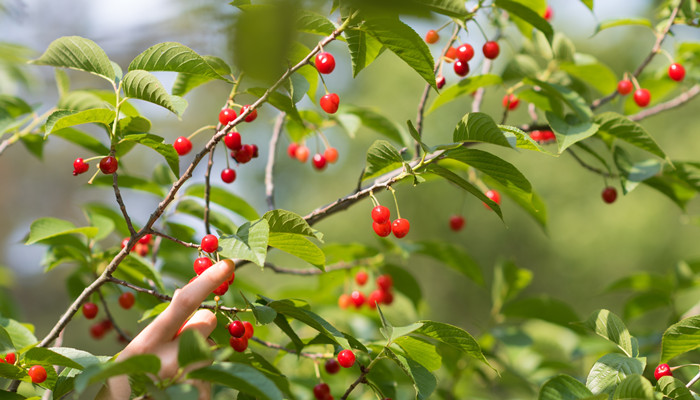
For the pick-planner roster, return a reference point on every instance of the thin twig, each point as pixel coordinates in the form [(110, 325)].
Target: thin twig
[(673, 103), (654, 50), (590, 167), (207, 190), (360, 379), (313, 356), (692, 381), (176, 240), (111, 318), (335, 267), (122, 207), (269, 184)]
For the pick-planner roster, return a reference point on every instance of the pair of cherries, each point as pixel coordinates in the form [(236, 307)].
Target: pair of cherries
[(383, 226)]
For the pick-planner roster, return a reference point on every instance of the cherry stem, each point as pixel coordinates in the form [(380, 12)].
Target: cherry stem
[(317, 370), (207, 188), (324, 139), (480, 29), (323, 81), (396, 202), (374, 199), (94, 176), (666, 53), (202, 129), (443, 26), (635, 83), (692, 381)]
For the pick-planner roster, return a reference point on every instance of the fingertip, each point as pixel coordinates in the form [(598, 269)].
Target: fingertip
[(227, 266)]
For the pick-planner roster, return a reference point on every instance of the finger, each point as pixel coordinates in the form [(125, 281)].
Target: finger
[(188, 299), (203, 321)]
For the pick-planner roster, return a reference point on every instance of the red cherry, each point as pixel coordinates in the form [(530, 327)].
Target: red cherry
[(383, 229), (201, 264), (146, 239), (388, 298), (456, 223), (432, 36), (451, 54), (329, 103), (302, 153), (331, 155), (250, 117), (384, 282), (236, 329), (221, 290), (548, 136), (440, 81), (465, 52), (325, 62), (510, 101), (332, 366), (255, 150), (624, 87), (80, 166), (228, 175), (11, 358), (292, 150), (662, 370), (380, 214), (346, 358), (547, 13), (493, 196), (209, 243), (491, 50), (125, 241), (126, 300), (245, 154), (358, 299), (642, 97), (344, 301), (98, 330), (249, 330), (227, 115), (232, 140), (319, 161), (109, 165), (141, 249), (37, 373), (536, 136), (461, 68), (375, 297), (238, 344), (361, 278), (400, 227), (90, 310), (676, 72), (609, 194), (232, 278), (321, 391), (182, 145)]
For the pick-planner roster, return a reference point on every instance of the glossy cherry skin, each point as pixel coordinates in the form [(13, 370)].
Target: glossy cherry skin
[(146, 239), (510, 101), (332, 366), (250, 117), (182, 145), (238, 344), (228, 175), (90, 310), (642, 97), (662, 370), (461, 68), (624, 87), (375, 297), (451, 54), (346, 358), (432, 36), (126, 300), (109, 165), (383, 229), (209, 243), (236, 329), (358, 298), (609, 194), (331, 155), (249, 330), (384, 282), (37, 373), (491, 50), (232, 140), (380, 214), (319, 161), (80, 166), (330, 102), (227, 115), (440, 81), (325, 62), (245, 154), (222, 289), (361, 278), (465, 52), (11, 358), (400, 227), (456, 223), (201, 264), (676, 72)]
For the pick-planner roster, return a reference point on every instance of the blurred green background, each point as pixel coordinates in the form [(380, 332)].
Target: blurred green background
[(588, 243)]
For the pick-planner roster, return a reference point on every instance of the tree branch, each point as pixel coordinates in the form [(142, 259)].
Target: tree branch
[(313, 356), (673, 103), (335, 267), (122, 207), (269, 184), (109, 316), (590, 167), (207, 190), (176, 240)]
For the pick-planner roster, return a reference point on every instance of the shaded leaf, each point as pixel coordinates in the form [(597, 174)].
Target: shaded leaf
[(452, 256), (542, 307), (609, 326), (382, 157), (364, 49), (479, 127), (631, 132), (610, 370), (680, 338), (249, 242), (225, 199), (464, 184), (241, 377), (143, 85), (465, 86)]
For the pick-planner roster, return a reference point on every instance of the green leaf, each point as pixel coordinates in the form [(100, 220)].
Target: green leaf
[(631, 175), (46, 228), (283, 221), (609, 326), (564, 387), (382, 157), (241, 377), (451, 8), (421, 351), (508, 281), (298, 246), (193, 347), (417, 136), (610, 370), (40, 355), (528, 15), (130, 182), (403, 41), (175, 57), (520, 139), (64, 118), (249, 242), (225, 199), (423, 381), (464, 87), (387, 330), (82, 139), (631, 132), (570, 130), (139, 272), (142, 85), (78, 53), (672, 187), (479, 127), (634, 387), (166, 150), (287, 308), (6, 345), (153, 312), (264, 314), (376, 122), (144, 363), (452, 256), (541, 307), (364, 49), (588, 3), (533, 205), (314, 23), (674, 388), (611, 23), (680, 338), (12, 372), (592, 72), (34, 143), (464, 184), (455, 337), (279, 101)]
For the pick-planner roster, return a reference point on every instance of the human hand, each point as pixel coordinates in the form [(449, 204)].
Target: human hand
[(161, 336)]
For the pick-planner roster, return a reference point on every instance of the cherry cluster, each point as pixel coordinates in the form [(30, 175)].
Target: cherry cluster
[(100, 329), (542, 136), (210, 244), (383, 226), (300, 153), (642, 96), (240, 332), (325, 64), (346, 359), (108, 165), (461, 55), (37, 373), (381, 295), (142, 247)]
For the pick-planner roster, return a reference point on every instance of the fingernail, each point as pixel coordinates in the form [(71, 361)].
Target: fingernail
[(225, 265)]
